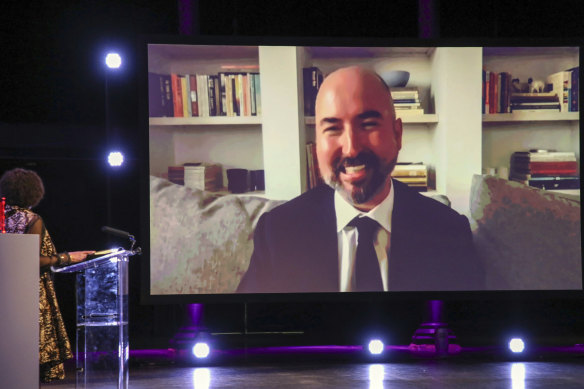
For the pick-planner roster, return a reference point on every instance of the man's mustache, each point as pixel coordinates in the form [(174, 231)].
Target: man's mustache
[(368, 159)]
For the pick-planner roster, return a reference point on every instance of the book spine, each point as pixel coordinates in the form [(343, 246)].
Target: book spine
[(313, 90), (222, 95), (167, 96), (194, 99), (484, 83), (184, 82), (306, 88), (229, 94), (245, 94), (566, 92), (176, 95), (258, 94), (575, 90), (487, 91), (236, 100), (211, 97), (217, 95), (252, 94)]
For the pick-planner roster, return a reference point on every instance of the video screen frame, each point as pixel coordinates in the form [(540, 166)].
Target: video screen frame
[(323, 51)]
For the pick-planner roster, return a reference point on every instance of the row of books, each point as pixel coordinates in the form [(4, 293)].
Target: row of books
[(414, 175), (201, 176), (192, 95), (545, 169), (407, 101), (503, 94)]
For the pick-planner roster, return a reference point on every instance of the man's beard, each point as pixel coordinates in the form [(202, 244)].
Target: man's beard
[(364, 191)]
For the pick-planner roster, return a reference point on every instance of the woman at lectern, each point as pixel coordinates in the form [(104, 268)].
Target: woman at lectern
[(23, 190)]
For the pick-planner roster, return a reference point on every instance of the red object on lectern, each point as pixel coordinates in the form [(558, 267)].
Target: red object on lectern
[(2, 220)]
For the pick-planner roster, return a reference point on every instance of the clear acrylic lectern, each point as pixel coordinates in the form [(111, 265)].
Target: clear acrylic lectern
[(102, 320)]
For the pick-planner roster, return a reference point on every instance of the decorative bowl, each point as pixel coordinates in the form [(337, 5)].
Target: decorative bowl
[(395, 78)]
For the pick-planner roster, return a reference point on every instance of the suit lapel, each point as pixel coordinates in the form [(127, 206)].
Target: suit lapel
[(403, 230), (322, 234)]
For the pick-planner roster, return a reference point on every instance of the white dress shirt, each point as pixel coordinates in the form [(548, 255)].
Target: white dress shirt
[(348, 237)]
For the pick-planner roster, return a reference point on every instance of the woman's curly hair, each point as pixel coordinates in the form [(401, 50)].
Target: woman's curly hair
[(22, 188)]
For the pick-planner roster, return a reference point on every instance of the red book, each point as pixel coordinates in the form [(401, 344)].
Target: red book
[(177, 95), (492, 94)]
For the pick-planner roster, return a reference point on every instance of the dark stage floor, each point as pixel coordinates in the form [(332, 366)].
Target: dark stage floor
[(346, 368)]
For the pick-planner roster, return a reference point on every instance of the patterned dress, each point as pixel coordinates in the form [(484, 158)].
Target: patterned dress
[(54, 344)]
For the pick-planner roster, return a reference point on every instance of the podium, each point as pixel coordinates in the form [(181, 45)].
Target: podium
[(102, 320)]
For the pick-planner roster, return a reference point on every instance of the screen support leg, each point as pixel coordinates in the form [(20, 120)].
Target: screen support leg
[(433, 336)]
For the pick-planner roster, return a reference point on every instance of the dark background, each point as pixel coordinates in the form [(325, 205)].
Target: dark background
[(52, 120)]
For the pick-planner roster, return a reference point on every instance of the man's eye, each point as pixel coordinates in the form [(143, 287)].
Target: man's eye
[(370, 124), (331, 130)]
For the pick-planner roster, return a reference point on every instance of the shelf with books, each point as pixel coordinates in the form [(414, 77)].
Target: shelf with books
[(530, 116), (207, 121)]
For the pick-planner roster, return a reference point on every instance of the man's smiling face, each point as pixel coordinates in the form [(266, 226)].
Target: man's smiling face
[(357, 136)]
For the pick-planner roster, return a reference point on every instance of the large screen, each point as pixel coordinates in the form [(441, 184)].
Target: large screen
[(260, 154)]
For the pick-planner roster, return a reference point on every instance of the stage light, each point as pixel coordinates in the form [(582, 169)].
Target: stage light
[(516, 345), (201, 350), (375, 347), (113, 60), (115, 158)]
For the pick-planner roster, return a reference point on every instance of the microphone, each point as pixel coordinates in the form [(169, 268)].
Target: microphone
[(116, 232)]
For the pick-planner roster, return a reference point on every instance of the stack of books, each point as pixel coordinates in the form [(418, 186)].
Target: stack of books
[(545, 169), (414, 175), (548, 101), (192, 95), (201, 176), (406, 101)]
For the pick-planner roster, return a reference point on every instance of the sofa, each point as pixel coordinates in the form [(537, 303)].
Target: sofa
[(527, 239)]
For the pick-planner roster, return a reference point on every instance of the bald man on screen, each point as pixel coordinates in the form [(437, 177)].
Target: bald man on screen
[(361, 231)]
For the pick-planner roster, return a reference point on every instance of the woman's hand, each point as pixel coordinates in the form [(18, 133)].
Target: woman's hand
[(79, 256)]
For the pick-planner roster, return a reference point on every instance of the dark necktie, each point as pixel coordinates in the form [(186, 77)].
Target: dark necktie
[(367, 273)]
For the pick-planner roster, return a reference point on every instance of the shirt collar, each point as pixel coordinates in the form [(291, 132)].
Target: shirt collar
[(345, 212)]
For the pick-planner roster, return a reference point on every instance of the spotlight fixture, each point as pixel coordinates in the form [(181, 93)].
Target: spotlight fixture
[(201, 350), (375, 347), (115, 158), (516, 345), (113, 60)]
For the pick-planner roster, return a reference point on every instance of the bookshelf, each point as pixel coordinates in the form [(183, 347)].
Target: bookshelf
[(453, 137), (508, 132)]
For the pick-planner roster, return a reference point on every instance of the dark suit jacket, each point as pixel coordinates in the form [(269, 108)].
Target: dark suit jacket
[(295, 247)]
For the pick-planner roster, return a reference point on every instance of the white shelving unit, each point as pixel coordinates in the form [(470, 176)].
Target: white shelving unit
[(453, 138)]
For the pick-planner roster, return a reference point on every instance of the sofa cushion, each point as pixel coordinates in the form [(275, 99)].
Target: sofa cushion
[(528, 239), (200, 242)]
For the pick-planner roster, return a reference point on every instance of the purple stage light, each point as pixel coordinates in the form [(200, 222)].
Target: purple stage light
[(516, 345)]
